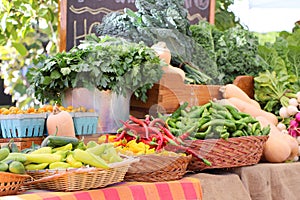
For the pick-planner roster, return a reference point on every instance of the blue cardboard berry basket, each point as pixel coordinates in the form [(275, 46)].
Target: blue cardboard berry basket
[(22, 125), (85, 123)]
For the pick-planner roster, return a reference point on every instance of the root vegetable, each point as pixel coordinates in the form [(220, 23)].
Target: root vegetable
[(281, 126), (298, 96), (297, 117), (293, 102), (292, 110), (283, 113)]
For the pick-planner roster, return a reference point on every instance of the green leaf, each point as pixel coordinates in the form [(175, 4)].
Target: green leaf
[(20, 48), (65, 71), (55, 74), (46, 80)]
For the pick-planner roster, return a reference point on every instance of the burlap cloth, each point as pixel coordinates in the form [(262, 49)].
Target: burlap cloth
[(222, 186), (270, 181), (264, 181)]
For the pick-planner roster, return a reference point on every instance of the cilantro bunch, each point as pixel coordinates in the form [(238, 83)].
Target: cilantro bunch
[(106, 63)]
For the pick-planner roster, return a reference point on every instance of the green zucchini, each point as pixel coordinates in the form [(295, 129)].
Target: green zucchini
[(58, 141), (4, 153), (3, 167), (15, 157)]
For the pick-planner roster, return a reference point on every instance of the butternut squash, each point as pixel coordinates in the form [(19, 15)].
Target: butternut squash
[(231, 90), (276, 150), (293, 143), (60, 123), (252, 110), (279, 147)]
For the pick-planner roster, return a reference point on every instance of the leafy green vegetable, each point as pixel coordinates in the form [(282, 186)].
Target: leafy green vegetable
[(274, 88), (106, 63), (234, 50), (164, 20)]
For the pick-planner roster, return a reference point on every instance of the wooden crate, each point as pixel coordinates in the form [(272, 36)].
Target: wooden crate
[(170, 92), (22, 143)]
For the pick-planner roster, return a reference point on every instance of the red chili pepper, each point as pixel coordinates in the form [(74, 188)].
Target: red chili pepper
[(120, 136), (140, 122), (157, 120), (149, 142), (184, 136), (106, 138), (147, 119), (189, 151), (137, 129), (160, 137), (167, 132), (169, 140)]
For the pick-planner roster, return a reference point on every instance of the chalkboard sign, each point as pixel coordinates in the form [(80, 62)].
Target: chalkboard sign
[(79, 17), (5, 99)]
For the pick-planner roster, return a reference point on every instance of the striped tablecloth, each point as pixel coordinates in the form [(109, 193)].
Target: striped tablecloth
[(184, 189)]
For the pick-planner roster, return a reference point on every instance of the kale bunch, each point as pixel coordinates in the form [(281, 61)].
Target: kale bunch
[(164, 20), (235, 50)]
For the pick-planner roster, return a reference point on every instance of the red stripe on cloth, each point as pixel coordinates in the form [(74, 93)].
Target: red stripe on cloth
[(111, 194), (138, 192), (164, 191), (82, 195), (189, 191), (52, 198)]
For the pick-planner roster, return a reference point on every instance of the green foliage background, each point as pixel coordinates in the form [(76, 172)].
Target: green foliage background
[(28, 28)]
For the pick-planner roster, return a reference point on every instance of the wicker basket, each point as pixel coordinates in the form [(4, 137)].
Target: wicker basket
[(11, 183), (154, 168), (78, 179), (234, 152)]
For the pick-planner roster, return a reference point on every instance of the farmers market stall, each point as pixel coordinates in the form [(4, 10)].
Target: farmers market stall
[(199, 133)]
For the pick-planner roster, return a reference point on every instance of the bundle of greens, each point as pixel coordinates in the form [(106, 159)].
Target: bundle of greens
[(235, 50), (166, 21), (273, 88), (106, 63)]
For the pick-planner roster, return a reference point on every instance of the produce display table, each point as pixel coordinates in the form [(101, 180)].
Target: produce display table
[(186, 188)]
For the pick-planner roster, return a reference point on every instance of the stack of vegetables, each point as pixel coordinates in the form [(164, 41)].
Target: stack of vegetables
[(290, 116), (280, 147)]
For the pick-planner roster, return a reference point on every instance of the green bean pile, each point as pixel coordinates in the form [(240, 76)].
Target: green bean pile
[(213, 120)]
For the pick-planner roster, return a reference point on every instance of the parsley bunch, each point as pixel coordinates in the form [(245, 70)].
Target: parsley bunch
[(106, 63)]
